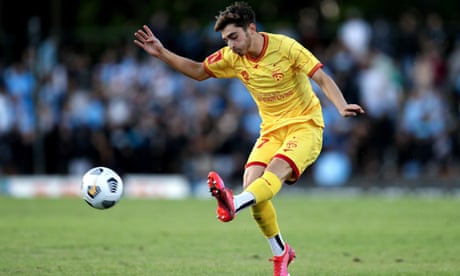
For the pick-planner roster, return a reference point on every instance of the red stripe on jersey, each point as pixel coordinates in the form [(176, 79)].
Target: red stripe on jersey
[(313, 71), (262, 53), (207, 70)]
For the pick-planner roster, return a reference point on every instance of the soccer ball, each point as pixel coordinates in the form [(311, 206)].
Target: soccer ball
[(101, 187)]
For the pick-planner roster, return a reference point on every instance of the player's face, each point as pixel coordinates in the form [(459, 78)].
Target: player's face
[(237, 39)]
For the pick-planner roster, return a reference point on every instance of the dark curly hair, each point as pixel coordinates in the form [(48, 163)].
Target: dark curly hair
[(239, 13)]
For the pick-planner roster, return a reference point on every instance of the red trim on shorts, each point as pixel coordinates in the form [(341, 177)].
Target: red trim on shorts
[(291, 163), (256, 163)]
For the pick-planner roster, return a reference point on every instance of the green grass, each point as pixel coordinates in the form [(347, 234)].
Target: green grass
[(333, 235)]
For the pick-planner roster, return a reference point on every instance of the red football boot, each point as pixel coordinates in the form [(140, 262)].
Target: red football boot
[(225, 206), (281, 263)]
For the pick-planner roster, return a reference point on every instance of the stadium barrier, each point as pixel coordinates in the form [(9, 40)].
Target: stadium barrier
[(135, 186)]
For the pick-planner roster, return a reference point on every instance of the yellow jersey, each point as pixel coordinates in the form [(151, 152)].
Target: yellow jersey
[(278, 80)]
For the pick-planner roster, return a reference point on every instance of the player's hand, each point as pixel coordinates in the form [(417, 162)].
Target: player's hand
[(146, 40), (351, 110)]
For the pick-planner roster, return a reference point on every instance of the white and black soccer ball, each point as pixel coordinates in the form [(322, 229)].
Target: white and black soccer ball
[(101, 187)]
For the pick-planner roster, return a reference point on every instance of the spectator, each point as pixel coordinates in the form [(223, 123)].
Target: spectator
[(124, 110)]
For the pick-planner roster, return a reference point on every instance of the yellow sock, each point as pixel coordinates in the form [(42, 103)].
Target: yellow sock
[(265, 216), (265, 187)]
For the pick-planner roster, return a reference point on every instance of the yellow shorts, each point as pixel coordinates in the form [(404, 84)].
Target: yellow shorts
[(297, 144)]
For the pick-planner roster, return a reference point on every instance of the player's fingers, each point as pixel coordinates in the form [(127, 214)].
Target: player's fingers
[(350, 114), (360, 110), (148, 31), (138, 35), (138, 43), (355, 108), (139, 38), (141, 35)]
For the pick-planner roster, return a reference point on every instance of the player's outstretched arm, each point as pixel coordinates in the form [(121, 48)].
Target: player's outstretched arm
[(146, 40), (334, 94)]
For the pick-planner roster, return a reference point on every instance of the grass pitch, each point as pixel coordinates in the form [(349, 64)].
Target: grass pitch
[(333, 235)]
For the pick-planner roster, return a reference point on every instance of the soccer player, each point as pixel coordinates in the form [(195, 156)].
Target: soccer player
[(276, 70)]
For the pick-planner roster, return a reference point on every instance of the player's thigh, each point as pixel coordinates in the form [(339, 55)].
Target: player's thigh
[(263, 150), (261, 154), (301, 147)]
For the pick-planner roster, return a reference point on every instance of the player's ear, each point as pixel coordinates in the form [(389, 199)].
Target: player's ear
[(252, 27)]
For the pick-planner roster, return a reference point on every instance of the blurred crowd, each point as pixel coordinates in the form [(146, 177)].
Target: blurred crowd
[(63, 111)]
